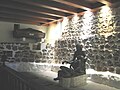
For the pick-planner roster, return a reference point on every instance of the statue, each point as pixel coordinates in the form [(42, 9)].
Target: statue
[(77, 65)]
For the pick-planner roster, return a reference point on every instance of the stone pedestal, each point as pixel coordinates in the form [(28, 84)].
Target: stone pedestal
[(73, 81)]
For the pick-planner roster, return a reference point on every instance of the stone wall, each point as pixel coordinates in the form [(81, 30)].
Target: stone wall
[(21, 52), (99, 33)]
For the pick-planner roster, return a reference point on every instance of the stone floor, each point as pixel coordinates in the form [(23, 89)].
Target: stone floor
[(45, 81)]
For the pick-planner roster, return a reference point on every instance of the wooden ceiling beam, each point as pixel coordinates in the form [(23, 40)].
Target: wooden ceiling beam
[(46, 11), (81, 4), (50, 4), (106, 2), (19, 21), (22, 18), (11, 4), (26, 13)]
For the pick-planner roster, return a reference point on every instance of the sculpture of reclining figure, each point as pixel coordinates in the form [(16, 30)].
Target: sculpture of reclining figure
[(77, 65)]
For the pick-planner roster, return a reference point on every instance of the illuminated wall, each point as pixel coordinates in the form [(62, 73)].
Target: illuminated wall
[(53, 33), (99, 32)]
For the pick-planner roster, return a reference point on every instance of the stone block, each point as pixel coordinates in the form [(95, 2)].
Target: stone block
[(118, 70), (73, 81), (111, 69), (65, 82)]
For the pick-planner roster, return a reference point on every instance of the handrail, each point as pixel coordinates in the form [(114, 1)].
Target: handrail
[(19, 81)]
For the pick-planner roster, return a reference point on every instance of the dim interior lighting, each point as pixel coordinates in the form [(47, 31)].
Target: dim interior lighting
[(106, 12), (65, 18), (54, 33), (24, 39), (87, 20), (105, 9), (64, 23), (75, 18), (106, 19), (88, 15)]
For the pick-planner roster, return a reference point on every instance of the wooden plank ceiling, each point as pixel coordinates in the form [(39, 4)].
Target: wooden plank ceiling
[(43, 12)]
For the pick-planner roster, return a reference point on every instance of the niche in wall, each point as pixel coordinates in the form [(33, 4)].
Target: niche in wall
[(27, 33)]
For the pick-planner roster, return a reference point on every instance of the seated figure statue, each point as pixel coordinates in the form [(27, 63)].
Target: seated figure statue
[(77, 65)]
